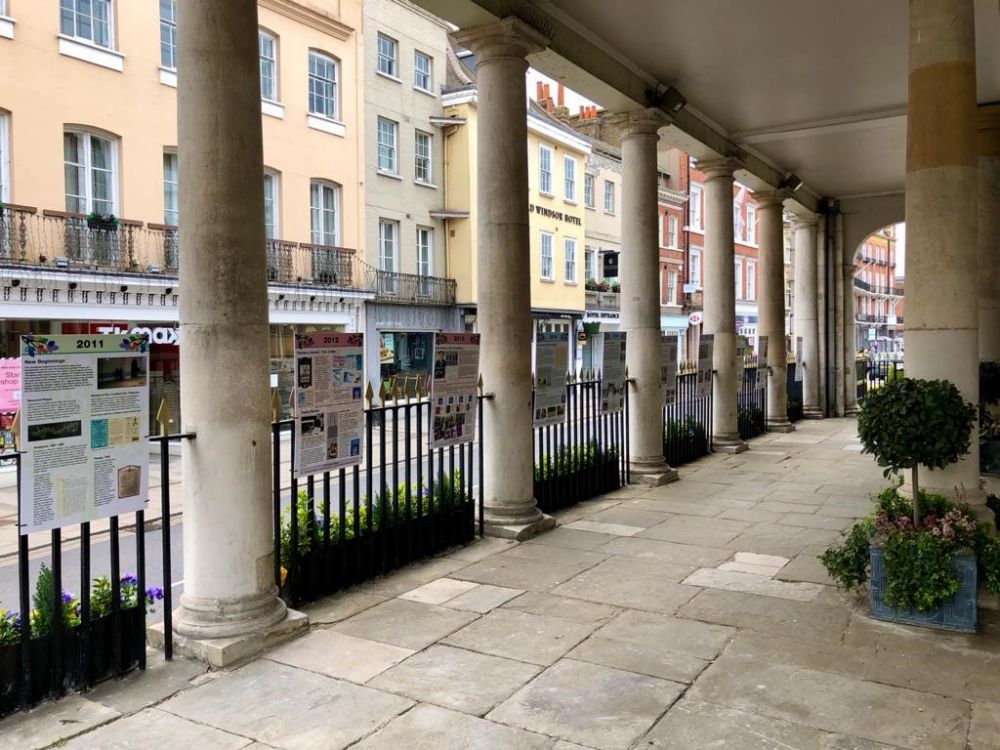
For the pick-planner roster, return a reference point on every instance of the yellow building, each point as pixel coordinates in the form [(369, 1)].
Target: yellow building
[(556, 205), (88, 168)]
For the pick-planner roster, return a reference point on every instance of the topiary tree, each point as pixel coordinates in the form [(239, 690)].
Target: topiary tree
[(908, 423)]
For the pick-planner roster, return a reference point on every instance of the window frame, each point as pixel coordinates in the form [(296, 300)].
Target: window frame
[(393, 235), (73, 33), (87, 166), (671, 287), (610, 199), (425, 258), (671, 231), (738, 274), (318, 188), (589, 264), (738, 235), (751, 224), (171, 154), (751, 282), (694, 264), (569, 260), (589, 181), (4, 156), (417, 72), (391, 150), (274, 203), (170, 27), (263, 34), (696, 218), (428, 179), (569, 178), (393, 73), (549, 257), (333, 97), (545, 175)]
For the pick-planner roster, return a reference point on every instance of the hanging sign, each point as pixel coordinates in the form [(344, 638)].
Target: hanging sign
[(328, 401), (668, 369), (613, 372), (454, 389), (551, 357), (84, 425), (703, 378)]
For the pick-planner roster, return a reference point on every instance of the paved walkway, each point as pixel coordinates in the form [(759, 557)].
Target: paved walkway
[(688, 616)]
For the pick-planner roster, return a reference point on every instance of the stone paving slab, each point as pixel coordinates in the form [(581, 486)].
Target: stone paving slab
[(984, 732), (340, 607), (752, 583), (160, 730), (455, 678), (434, 728), (537, 639), (139, 689), (631, 516), (339, 655), (562, 536), (561, 606), (53, 722), (614, 529), (637, 584), (835, 703), (668, 552), (406, 624), (287, 708), (602, 708), (694, 724), (521, 573), (483, 598), (706, 532), (438, 591)]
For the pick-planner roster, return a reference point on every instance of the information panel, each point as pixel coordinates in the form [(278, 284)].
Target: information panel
[(84, 428), (762, 361), (613, 372), (743, 350), (10, 385), (551, 356), (798, 358), (453, 388), (329, 401), (668, 369), (703, 381)]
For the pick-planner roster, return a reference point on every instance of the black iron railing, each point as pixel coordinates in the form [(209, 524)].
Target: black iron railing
[(687, 423), (583, 455), (874, 372), (405, 502), (794, 397), (752, 400), (57, 641)]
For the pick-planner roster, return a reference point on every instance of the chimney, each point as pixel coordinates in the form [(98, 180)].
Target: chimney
[(539, 91), (561, 95), (546, 93)]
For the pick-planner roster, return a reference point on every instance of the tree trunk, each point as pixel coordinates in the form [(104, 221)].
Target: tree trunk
[(917, 515)]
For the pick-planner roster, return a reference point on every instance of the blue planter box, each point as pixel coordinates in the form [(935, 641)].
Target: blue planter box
[(958, 613)]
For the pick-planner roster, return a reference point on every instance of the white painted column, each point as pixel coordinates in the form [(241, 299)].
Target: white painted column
[(640, 308), (771, 308), (942, 308), (806, 313), (229, 587), (503, 259), (720, 300), (989, 232)]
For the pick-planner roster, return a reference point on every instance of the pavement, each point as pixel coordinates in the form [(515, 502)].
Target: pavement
[(689, 616)]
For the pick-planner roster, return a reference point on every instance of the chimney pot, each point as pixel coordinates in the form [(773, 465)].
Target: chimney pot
[(561, 95), (539, 91)]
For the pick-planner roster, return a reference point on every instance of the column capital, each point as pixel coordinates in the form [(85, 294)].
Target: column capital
[(638, 122), (714, 169), (805, 221), (771, 198), (508, 37)]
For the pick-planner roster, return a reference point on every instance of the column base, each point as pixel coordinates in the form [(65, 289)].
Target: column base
[(780, 425), (204, 618), (224, 652), (851, 411), (652, 474), (518, 531), (728, 445), (814, 412)]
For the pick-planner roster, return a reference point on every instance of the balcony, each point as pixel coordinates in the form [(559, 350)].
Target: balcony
[(892, 291), (602, 300), (57, 240), (409, 288)]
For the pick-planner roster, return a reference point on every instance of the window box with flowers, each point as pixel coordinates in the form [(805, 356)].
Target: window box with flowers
[(102, 222)]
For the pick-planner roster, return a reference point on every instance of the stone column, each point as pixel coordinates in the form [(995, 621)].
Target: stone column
[(771, 309), (850, 347), (640, 309), (806, 313), (503, 259), (720, 300), (229, 587), (989, 233), (942, 310)]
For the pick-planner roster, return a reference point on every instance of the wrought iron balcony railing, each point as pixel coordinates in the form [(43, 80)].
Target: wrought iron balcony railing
[(895, 290), (602, 300), (68, 241)]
